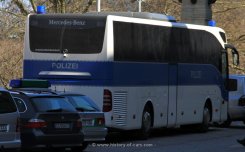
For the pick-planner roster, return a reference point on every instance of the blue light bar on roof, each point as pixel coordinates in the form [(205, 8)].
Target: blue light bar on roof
[(29, 83)]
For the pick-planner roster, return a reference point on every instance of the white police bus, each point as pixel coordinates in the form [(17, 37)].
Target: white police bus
[(144, 70)]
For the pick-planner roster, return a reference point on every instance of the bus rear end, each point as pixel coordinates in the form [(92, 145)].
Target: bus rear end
[(68, 50)]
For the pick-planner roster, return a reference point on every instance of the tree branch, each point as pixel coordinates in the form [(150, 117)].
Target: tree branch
[(90, 3), (34, 7), (228, 9), (21, 6), (9, 12)]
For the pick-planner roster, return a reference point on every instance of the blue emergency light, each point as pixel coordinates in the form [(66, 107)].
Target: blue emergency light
[(41, 9), (211, 23), (29, 83)]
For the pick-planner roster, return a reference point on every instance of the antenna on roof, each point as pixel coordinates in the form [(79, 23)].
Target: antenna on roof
[(98, 5), (139, 5)]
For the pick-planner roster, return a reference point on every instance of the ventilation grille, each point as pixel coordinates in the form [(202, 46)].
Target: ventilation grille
[(120, 108)]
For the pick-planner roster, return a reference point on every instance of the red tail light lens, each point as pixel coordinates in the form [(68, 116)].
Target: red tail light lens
[(36, 123), (107, 101)]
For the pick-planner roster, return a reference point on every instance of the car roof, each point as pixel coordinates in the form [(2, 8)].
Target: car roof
[(35, 93), (71, 94), (3, 89), (237, 75)]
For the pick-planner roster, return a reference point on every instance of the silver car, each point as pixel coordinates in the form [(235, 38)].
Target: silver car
[(93, 118), (9, 122), (236, 110)]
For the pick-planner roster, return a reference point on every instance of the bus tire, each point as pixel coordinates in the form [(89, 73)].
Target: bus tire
[(203, 127), (146, 124)]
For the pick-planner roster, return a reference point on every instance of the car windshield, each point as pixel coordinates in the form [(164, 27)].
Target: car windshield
[(52, 104), (82, 103)]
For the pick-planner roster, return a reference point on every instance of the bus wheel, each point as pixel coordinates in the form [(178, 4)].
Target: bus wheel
[(146, 123), (203, 127)]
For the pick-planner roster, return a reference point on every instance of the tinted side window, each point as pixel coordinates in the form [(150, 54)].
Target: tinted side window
[(20, 104), (6, 103), (151, 43)]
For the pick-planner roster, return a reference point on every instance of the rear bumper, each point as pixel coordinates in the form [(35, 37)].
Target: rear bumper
[(30, 140), (11, 144), (94, 133)]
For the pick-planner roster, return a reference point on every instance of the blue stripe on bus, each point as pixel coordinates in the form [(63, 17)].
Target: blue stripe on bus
[(123, 73)]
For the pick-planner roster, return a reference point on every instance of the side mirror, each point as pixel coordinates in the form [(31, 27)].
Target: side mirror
[(235, 54), (232, 85), (235, 59)]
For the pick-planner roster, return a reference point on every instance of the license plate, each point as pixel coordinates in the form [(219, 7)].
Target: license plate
[(62, 125), (4, 128), (88, 122)]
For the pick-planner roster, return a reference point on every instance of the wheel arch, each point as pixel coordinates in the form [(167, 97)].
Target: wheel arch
[(149, 106)]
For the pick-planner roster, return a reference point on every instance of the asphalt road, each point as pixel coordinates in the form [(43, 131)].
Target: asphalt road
[(176, 140)]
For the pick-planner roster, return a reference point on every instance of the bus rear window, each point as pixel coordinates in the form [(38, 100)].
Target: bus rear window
[(73, 34)]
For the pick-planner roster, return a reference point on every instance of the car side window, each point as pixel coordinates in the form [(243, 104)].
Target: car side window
[(20, 104), (6, 103)]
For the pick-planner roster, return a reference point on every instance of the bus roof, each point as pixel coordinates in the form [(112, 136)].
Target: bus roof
[(144, 15)]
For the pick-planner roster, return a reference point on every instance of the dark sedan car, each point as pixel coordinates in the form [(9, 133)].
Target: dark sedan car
[(93, 118), (48, 121)]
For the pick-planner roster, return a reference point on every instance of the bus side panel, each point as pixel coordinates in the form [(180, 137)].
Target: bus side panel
[(197, 84), (142, 86)]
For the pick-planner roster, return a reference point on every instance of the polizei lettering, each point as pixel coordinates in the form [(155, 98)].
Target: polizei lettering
[(65, 66)]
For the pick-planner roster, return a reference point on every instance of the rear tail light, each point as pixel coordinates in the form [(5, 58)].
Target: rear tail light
[(100, 121), (107, 101), (241, 101), (36, 123), (79, 123)]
